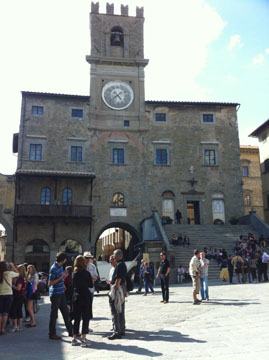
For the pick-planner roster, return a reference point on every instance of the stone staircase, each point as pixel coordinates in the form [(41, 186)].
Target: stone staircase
[(215, 236)]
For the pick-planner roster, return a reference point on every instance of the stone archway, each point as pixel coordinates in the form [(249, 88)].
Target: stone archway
[(72, 248), (131, 251), (37, 253)]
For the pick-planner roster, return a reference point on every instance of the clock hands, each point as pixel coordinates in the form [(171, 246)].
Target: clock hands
[(117, 94)]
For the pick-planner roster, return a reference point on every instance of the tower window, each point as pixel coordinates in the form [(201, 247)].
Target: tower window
[(116, 37), (36, 152), (126, 123), (245, 171), (118, 156)]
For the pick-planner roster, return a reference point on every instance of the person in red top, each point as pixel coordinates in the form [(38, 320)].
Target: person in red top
[(19, 291)]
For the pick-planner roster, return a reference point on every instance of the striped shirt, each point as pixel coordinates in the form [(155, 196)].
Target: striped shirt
[(56, 271)]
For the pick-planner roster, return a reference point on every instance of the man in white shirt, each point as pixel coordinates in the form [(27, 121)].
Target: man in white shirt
[(195, 275), (204, 276)]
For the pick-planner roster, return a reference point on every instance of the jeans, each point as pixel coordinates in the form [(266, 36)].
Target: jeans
[(204, 287), (165, 287), (231, 272), (58, 301), (148, 286), (118, 320)]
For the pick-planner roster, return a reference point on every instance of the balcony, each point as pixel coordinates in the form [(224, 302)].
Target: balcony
[(54, 211)]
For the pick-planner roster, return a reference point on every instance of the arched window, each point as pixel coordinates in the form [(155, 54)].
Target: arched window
[(71, 247), (116, 37), (67, 196), (168, 204), (118, 199), (45, 196), (37, 246)]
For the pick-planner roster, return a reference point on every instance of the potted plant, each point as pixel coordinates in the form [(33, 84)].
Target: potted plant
[(233, 220)]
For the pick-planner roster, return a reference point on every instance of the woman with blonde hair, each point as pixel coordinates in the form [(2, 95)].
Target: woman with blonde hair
[(19, 291), (82, 281), (6, 295), (32, 280)]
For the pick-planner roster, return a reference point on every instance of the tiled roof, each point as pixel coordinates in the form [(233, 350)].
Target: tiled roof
[(177, 103), (260, 129), (54, 95), (149, 102), (75, 174)]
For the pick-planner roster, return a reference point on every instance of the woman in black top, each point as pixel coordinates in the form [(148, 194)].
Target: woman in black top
[(82, 281)]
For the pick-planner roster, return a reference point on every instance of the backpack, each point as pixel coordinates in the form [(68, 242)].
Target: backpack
[(238, 264), (129, 283)]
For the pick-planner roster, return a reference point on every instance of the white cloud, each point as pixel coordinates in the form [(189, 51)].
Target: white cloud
[(258, 59), (230, 78), (235, 41), (267, 51)]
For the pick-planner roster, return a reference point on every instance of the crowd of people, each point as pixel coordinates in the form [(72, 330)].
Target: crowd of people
[(179, 240), (18, 289)]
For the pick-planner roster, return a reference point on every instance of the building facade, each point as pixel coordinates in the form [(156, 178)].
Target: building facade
[(262, 133), (252, 183), (118, 156)]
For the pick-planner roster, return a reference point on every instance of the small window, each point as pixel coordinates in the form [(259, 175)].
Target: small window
[(264, 137), (126, 123), (37, 110), (247, 200), (77, 113), (208, 118), (76, 153), (36, 152), (245, 171), (67, 196), (210, 157), (118, 156), (160, 117), (118, 199), (45, 196), (161, 157)]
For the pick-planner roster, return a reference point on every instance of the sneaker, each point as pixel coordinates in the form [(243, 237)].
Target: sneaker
[(27, 319), (74, 342), (14, 330), (19, 329), (196, 302), (85, 343)]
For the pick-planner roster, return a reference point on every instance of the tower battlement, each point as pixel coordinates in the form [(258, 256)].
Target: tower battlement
[(110, 10)]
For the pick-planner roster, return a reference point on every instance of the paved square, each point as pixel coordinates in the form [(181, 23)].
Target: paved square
[(233, 324)]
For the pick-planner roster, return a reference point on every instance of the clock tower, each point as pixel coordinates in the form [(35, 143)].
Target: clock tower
[(117, 94)]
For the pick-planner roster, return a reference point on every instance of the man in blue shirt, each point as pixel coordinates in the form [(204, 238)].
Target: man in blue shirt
[(57, 296)]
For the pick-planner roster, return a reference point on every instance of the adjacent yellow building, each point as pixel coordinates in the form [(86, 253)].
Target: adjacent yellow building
[(251, 175)]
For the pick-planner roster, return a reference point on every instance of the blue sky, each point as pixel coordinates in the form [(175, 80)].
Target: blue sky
[(199, 50)]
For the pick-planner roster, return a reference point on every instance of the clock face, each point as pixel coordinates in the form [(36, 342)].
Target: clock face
[(117, 95)]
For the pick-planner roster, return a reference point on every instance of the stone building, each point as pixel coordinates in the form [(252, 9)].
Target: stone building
[(262, 133), (7, 200), (89, 163), (252, 183)]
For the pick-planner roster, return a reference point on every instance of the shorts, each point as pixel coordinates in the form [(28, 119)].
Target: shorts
[(5, 304), (196, 283)]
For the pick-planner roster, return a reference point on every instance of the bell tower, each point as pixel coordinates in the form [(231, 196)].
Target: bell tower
[(117, 92)]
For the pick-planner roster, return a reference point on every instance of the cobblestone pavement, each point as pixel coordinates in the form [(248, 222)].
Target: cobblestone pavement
[(233, 325)]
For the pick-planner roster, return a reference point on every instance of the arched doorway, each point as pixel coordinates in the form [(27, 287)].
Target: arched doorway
[(168, 207), (114, 236), (37, 253), (72, 248), (218, 208)]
